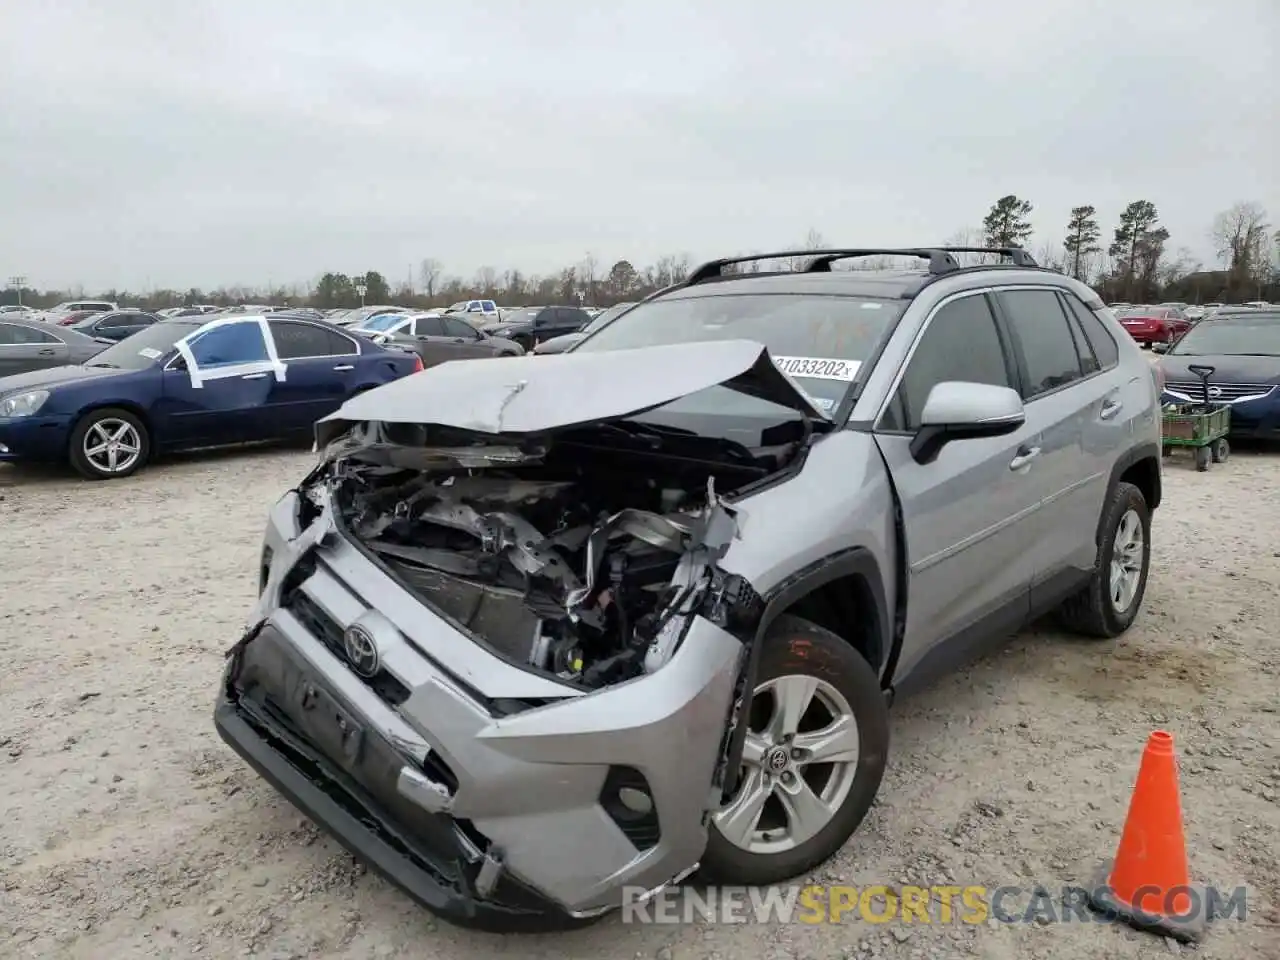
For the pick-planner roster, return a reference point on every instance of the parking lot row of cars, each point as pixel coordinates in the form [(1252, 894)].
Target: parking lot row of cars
[(1165, 322), (107, 389), (207, 376)]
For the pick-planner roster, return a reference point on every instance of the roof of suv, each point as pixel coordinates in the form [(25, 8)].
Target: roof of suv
[(710, 279)]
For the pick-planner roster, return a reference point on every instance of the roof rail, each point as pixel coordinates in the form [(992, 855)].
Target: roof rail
[(1018, 255), (940, 261)]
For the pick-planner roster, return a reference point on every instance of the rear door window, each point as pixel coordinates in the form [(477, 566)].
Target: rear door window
[(298, 341), (1095, 331), (1049, 356), (456, 328)]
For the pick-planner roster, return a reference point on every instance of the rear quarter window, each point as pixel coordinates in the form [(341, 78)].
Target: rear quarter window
[(1095, 331)]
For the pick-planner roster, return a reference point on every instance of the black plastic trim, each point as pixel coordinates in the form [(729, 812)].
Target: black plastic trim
[(1151, 450), (461, 909)]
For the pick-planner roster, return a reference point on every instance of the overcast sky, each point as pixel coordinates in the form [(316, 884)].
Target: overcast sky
[(206, 143)]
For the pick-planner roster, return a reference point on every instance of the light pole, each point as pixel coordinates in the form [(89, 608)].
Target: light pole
[(360, 289), (17, 283)]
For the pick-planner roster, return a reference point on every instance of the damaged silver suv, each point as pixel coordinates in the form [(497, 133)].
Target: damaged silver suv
[(540, 632)]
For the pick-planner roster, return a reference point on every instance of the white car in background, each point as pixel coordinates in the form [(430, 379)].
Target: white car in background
[(54, 314), (393, 323), (476, 312)]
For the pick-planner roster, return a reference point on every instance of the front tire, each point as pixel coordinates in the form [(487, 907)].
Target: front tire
[(1107, 607), (109, 444), (817, 742)]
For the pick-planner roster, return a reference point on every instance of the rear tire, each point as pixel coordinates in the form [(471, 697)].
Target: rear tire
[(1203, 458), (1107, 607), (820, 678), (1221, 450)]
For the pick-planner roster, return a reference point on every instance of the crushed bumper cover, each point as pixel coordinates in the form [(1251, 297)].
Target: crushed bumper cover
[(516, 836), (354, 799)]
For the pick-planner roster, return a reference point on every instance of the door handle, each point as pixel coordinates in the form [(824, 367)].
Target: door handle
[(344, 366), (1024, 457), (254, 376), (47, 352), (1110, 407)]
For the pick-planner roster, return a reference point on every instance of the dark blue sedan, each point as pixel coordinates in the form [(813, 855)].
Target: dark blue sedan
[(186, 383)]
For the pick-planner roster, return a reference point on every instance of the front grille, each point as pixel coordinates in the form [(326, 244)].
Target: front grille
[(1220, 392), (329, 632)]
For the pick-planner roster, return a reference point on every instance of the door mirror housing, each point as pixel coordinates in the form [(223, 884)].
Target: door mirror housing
[(1159, 347), (955, 410)]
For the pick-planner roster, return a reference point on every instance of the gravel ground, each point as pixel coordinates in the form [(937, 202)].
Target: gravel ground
[(127, 829)]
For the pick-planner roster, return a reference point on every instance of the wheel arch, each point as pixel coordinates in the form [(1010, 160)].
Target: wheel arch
[(131, 406), (843, 593), (1139, 466)]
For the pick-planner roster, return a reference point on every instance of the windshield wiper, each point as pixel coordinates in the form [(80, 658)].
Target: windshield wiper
[(658, 435), (112, 366)]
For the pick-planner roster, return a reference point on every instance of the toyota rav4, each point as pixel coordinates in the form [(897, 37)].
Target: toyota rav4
[(539, 631)]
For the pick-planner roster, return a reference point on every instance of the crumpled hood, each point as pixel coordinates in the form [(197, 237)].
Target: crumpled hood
[(533, 394)]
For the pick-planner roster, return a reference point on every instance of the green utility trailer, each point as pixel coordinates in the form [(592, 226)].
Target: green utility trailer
[(1201, 427)]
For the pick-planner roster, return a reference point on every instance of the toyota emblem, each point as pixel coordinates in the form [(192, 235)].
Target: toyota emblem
[(361, 651)]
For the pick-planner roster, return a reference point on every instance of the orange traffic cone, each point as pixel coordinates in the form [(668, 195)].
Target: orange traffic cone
[(1147, 884)]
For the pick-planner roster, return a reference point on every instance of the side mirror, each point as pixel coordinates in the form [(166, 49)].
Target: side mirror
[(1159, 347), (956, 410)]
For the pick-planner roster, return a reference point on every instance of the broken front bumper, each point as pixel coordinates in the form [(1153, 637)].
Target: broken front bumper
[(424, 854), (494, 812)]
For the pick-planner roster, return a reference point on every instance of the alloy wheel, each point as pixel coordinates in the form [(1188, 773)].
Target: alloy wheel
[(799, 761), (112, 445), (1126, 560)]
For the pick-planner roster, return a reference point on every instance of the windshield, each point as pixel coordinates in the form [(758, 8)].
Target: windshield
[(1144, 312), (1237, 336), (819, 340), (145, 347), (384, 321), (601, 319)]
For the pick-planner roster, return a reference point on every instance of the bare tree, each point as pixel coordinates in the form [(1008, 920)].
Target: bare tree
[(1050, 255), (813, 240), (1183, 264), (588, 277), (1242, 236), (970, 237), (429, 271), (487, 281)]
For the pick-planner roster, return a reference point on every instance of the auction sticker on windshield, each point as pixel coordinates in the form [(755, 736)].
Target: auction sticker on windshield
[(817, 368), (151, 353)]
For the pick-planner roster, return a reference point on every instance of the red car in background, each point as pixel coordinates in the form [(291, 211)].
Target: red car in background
[(1148, 325)]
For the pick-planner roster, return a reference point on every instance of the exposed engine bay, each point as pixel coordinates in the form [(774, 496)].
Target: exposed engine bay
[(581, 555)]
